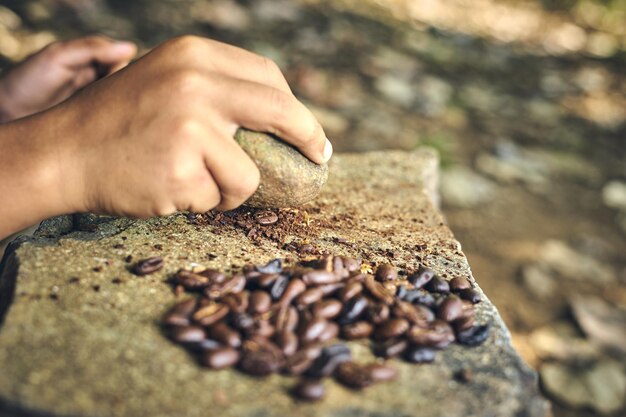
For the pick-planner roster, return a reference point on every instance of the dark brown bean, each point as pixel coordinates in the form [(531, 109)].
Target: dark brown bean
[(224, 334), (328, 360), (191, 281), (312, 330), (415, 314), (233, 285), (377, 313), (261, 359), (260, 302), (353, 375), (357, 330), (439, 334), (353, 309), (470, 295), (439, 285), (295, 287), (187, 334), (309, 390), (351, 264), (237, 303), (391, 328), (417, 354), (263, 328), (390, 348), (421, 277), (148, 266), (213, 275), (352, 289), (288, 342), (302, 360), (378, 290), (381, 372), (220, 358), (310, 296), (386, 272), (329, 289), (266, 280), (459, 283), (463, 323), (474, 336), (450, 309), (330, 332), (210, 313), (242, 321), (286, 318), (180, 314), (278, 287), (265, 217), (327, 309), (319, 277)]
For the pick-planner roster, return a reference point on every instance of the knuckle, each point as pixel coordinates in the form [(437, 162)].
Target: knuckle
[(54, 49), (246, 184), (185, 45), (185, 82), (282, 107)]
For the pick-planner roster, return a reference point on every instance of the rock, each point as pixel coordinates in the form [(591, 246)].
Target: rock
[(396, 90), (563, 342), (288, 178), (574, 265), (600, 321), (224, 14), (600, 386), (462, 187), (614, 195), (88, 352), (538, 281)]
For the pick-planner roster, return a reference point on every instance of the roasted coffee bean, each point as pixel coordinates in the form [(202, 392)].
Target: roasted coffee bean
[(459, 283), (386, 272), (224, 334), (260, 302), (439, 334), (325, 263), (357, 330), (463, 323), (391, 287), (381, 372), (309, 390), (450, 308), (233, 285), (421, 277), (470, 295), (390, 348), (287, 341), (319, 277), (278, 287), (213, 275), (263, 328), (310, 296), (220, 358), (286, 318), (242, 321), (179, 314), (302, 360), (187, 334), (415, 314), (274, 266), (148, 266), (420, 296), (351, 289), (312, 330), (378, 291), (266, 280), (439, 285), (330, 289), (377, 313), (353, 375), (330, 332), (237, 303), (351, 264), (391, 328), (474, 336), (352, 310), (207, 344), (417, 354), (327, 309), (210, 313), (261, 359), (328, 360), (294, 288), (265, 217), (191, 281)]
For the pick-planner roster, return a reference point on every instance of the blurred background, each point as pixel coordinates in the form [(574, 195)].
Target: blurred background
[(525, 101)]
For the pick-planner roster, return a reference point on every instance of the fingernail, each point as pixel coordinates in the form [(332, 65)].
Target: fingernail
[(328, 150), (125, 46)]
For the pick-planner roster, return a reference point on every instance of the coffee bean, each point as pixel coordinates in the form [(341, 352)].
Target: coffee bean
[(213, 275), (233, 285), (357, 330), (327, 309), (148, 266), (310, 296), (353, 375), (377, 313), (329, 359), (381, 373), (294, 288), (439, 285), (191, 281), (260, 302), (187, 334), (420, 296), (330, 332), (261, 357), (266, 280), (470, 295), (265, 217), (237, 303), (286, 318), (224, 334), (220, 358), (390, 348), (351, 264), (386, 272), (474, 336), (278, 287), (312, 330), (351, 289), (439, 334), (309, 390), (417, 354), (459, 283), (288, 342), (180, 314), (415, 314), (352, 310), (421, 277), (330, 289), (274, 266), (302, 360), (450, 308), (319, 277), (242, 321), (210, 314), (391, 328), (378, 291), (207, 344), (463, 323)]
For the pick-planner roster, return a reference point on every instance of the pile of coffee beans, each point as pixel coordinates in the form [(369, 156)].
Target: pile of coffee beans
[(270, 318)]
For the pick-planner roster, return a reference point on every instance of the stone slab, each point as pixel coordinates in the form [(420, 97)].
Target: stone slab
[(93, 347)]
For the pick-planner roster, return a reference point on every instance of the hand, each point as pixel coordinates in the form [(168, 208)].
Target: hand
[(157, 136), (58, 71)]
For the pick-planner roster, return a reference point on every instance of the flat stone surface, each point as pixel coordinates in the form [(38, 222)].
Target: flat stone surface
[(95, 347)]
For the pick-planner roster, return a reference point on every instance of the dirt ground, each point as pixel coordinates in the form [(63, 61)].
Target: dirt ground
[(526, 104)]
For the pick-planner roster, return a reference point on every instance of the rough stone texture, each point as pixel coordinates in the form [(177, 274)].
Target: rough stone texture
[(97, 349), (288, 179)]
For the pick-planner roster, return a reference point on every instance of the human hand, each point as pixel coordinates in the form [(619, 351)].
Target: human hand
[(58, 71), (157, 136)]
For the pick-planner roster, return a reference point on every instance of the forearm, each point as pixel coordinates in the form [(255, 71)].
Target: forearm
[(31, 173)]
